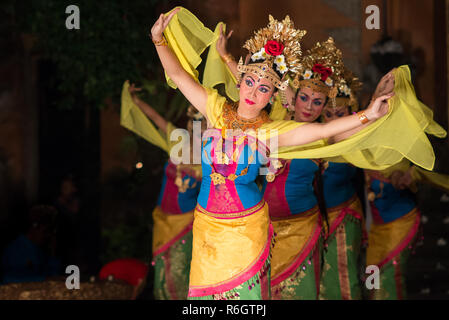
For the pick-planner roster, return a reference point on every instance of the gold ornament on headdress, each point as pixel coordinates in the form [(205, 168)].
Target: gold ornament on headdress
[(284, 56), (347, 91), (322, 69)]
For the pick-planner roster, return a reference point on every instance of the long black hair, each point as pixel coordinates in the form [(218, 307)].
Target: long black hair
[(319, 194)]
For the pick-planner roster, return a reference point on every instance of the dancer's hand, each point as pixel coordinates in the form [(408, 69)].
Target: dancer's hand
[(132, 91), (378, 107), (160, 25), (406, 180), (395, 178), (223, 41), (385, 85)]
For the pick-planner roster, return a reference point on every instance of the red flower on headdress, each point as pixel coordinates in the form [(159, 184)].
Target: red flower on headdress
[(274, 48), (325, 72)]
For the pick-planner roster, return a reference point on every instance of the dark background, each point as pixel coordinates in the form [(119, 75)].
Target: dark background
[(60, 103)]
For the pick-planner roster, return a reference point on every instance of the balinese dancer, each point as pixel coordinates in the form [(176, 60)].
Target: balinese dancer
[(290, 193), (173, 214), (340, 278), (293, 193), (396, 224), (232, 231), (396, 221)]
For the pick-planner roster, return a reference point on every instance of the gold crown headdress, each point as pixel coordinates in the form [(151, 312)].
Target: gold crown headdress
[(275, 51), (347, 90), (322, 69)]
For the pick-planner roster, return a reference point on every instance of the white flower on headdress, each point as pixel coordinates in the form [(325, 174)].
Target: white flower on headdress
[(279, 59), (308, 74), (261, 54), (346, 90), (329, 82), (264, 54), (281, 67)]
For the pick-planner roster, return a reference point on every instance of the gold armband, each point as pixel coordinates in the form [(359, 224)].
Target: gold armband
[(161, 42), (227, 58), (362, 117)]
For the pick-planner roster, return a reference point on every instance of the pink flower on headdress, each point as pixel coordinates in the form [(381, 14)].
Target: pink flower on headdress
[(325, 72), (274, 48)]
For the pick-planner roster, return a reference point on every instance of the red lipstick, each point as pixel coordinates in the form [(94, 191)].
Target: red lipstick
[(307, 115), (249, 102)]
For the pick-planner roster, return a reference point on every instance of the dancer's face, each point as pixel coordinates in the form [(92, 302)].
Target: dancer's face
[(255, 93), (308, 105), (330, 113)]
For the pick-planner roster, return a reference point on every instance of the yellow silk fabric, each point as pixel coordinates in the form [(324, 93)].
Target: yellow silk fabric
[(132, 118), (188, 38), (401, 133), (168, 226), (225, 248), (435, 179), (438, 180), (217, 72), (384, 238), (278, 112), (402, 165), (292, 235)]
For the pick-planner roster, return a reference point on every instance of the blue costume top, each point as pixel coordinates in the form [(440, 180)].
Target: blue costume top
[(337, 183), (292, 191), (180, 196), (239, 165), (392, 203)]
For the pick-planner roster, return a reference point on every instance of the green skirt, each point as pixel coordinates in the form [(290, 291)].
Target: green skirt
[(340, 278), (172, 268)]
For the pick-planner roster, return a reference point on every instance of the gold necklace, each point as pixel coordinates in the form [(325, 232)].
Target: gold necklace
[(232, 120)]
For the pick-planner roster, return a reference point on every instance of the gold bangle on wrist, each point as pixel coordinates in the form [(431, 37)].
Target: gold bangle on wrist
[(227, 58), (161, 42), (362, 117)]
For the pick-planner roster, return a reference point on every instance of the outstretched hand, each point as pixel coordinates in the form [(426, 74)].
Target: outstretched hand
[(132, 89), (160, 25), (385, 85), (223, 41), (401, 180)]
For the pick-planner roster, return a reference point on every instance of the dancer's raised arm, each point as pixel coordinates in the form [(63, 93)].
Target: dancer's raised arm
[(192, 90), (315, 131), (160, 122), (384, 87)]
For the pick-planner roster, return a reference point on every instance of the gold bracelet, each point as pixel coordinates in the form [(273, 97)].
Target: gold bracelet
[(227, 58), (161, 42), (362, 117)]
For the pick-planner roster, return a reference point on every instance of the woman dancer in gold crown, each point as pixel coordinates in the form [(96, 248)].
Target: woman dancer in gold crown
[(340, 278), (232, 231), (295, 205), (173, 214)]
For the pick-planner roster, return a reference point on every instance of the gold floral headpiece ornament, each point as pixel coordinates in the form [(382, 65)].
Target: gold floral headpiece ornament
[(347, 91), (322, 70), (275, 51)]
